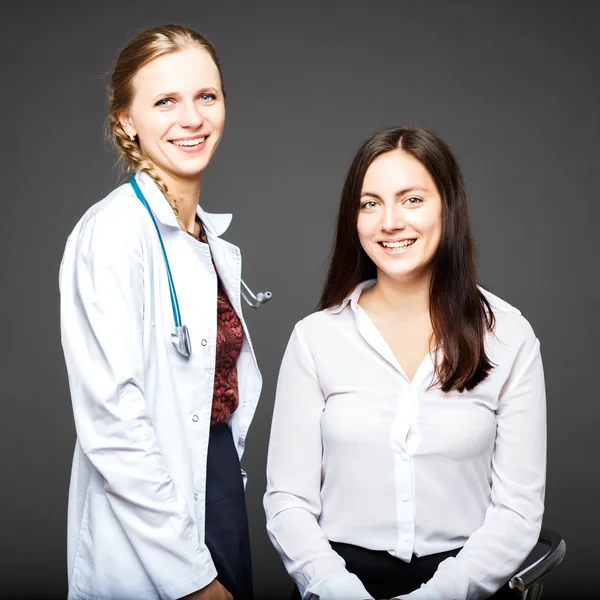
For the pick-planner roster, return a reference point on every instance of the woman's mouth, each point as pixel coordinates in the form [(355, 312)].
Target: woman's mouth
[(190, 144), (397, 247)]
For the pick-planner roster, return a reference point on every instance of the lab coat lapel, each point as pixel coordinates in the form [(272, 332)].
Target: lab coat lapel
[(228, 262)]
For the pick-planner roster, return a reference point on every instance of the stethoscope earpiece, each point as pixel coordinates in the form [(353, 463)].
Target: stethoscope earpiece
[(181, 336), (254, 300)]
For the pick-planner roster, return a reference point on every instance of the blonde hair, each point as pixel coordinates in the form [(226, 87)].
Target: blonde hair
[(139, 51)]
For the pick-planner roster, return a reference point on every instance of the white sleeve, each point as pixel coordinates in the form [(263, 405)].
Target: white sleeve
[(292, 500), (102, 320), (512, 523)]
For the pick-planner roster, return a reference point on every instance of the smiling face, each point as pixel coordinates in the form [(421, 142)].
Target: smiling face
[(400, 217), (178, 113)]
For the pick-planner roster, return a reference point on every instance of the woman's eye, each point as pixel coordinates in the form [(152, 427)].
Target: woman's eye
[(369, 204), (164, 102), (208, 97), (413, 200)]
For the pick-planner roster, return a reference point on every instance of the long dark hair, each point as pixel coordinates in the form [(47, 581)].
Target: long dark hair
[(460, 313)]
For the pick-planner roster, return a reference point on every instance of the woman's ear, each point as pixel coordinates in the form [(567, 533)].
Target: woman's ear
[(127, 125)]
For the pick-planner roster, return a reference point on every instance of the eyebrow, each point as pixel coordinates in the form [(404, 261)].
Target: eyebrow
[(413, 188)]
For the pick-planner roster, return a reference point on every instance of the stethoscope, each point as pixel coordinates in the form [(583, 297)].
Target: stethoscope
[(181, 336)]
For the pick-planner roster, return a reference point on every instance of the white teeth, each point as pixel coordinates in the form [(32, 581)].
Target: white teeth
[(402, 244), (189, 142)]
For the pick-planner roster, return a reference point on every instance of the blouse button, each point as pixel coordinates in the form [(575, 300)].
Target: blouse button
[(195, 418), (204, 342), (195, 496), (404, 498), (403, 458)]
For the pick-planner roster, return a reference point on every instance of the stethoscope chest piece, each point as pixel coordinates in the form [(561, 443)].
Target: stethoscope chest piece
[(181, 340)]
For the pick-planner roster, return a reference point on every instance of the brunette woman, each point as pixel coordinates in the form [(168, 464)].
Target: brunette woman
[(408, 447)]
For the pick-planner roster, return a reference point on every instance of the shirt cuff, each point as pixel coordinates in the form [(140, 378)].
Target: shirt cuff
[(343, 586)]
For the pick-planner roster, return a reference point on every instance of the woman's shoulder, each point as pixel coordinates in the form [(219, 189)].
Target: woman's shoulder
[(118, 206), (116, 218), (321, 326), (111, 230), (511, 327)]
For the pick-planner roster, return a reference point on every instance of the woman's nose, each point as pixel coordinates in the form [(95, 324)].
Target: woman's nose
[(191, 116), (393, 218)]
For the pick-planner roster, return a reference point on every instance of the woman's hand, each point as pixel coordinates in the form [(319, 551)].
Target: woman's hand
[(213, 591)]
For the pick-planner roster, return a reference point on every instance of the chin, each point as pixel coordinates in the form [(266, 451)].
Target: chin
[(190, 166), (190, 171), (401, 274)]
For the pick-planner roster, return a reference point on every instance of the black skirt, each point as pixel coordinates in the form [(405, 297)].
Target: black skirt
[(227, 536), (385, 576)]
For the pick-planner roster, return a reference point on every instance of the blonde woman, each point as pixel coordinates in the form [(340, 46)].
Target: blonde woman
[(163, 378)]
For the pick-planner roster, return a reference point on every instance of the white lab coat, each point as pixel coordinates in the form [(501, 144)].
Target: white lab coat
[(142, 411)]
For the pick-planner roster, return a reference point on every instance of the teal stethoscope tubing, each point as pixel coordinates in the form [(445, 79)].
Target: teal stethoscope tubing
[(174, 301), (180, 337)]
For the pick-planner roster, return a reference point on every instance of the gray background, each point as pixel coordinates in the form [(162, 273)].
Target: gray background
[(512, 86)]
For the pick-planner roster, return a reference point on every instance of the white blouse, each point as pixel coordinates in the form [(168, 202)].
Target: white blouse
[(361, 455)]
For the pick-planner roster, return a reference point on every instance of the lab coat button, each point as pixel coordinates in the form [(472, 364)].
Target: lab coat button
[(204, 342), (404, 498), (403, 458), (195, 496), (244, 404), (195, 418)]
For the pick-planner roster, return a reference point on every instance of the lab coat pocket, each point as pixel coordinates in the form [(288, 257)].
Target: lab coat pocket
[(106, 565)]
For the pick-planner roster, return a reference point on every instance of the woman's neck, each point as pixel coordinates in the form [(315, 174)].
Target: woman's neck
[(184, 194), (187, 203), (398, 300)]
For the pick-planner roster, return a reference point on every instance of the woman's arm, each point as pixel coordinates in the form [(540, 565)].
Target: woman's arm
[(292, 501), (102, 293), (512, 523)]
